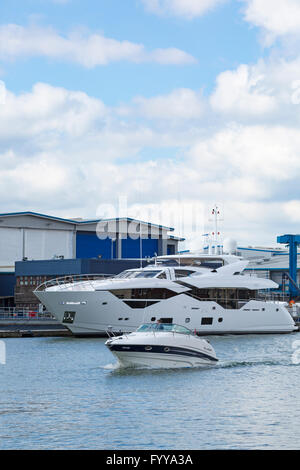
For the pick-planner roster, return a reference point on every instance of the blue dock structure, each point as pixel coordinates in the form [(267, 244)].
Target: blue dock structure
[(292, 241)]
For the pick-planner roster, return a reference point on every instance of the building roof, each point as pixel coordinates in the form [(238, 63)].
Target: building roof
[(129, 219), (36, 214), (82, 222)]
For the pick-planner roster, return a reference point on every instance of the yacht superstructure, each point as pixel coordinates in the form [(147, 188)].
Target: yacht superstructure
[(210, 294)]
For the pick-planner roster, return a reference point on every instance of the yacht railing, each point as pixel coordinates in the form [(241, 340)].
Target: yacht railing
[(61, 282), (20, 314)]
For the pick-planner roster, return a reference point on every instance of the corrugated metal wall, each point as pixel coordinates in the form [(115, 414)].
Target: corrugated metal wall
[(11, 245), (16, 243), (7, 284), (74, 266), (44, 244), (88, 245), (131, 248)]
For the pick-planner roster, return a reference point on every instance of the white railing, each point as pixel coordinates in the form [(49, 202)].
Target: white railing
[(19, 314), (61, 282)]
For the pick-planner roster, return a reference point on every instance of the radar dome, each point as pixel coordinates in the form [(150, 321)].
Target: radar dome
[(229, 246)]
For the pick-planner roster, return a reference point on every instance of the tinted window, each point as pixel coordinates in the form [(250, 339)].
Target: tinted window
[(182, 272), (154, 293), (162, 276)]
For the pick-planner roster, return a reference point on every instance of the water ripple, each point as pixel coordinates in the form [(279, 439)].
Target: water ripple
[(71, 394)]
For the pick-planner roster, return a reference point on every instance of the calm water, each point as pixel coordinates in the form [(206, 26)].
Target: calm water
[(65, 393)]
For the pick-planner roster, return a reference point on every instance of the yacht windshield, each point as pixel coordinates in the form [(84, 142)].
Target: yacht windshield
[(212, 263), (137, 274), (164, 327)]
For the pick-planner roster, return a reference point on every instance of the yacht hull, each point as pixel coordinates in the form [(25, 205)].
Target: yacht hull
[(93, 312)]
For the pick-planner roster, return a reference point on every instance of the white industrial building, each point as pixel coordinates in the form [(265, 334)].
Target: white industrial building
[(31, 236), (34, 236)]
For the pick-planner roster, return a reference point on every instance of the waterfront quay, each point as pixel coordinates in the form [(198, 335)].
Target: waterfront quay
[(18, 323)]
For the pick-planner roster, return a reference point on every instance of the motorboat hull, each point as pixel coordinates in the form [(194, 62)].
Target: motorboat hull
[(160, 359), (162, 349)]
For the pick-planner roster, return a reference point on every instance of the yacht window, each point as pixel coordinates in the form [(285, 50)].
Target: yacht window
[(206, 321), (168, 262), (123, 275), (137, 274), (140, 303), (228, 298), (146, 274), (192, 261), (182, 273), (146, 293), (162, 275)]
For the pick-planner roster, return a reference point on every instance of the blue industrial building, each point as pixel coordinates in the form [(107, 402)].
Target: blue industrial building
[(30, 235), (35, 247), (68, 267)]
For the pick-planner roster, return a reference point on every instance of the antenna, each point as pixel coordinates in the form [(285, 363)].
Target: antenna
[(213, 244), (141, 246)]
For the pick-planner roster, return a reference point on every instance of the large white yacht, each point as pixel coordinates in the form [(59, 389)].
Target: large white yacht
[(209, 294)]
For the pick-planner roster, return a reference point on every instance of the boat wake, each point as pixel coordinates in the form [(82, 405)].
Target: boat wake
[(269, 362), (119, 368), (113, 367)]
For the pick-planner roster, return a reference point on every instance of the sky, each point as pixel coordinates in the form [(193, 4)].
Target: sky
[(153, 109)]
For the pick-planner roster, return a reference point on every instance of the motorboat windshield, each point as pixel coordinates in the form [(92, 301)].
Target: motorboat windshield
[(167, 327)]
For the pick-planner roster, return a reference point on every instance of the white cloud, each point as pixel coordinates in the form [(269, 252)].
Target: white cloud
[(180, 104), (89, 51), (243, 91), (277, 18), (266, 92), (65, 153), (292, 210), (51, 110), (263, 155), (182, 8)]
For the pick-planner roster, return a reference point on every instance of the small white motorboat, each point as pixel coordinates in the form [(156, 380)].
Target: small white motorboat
[(163, 345)]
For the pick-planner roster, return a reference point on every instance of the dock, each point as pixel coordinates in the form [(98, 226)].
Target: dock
[(30, 329)]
